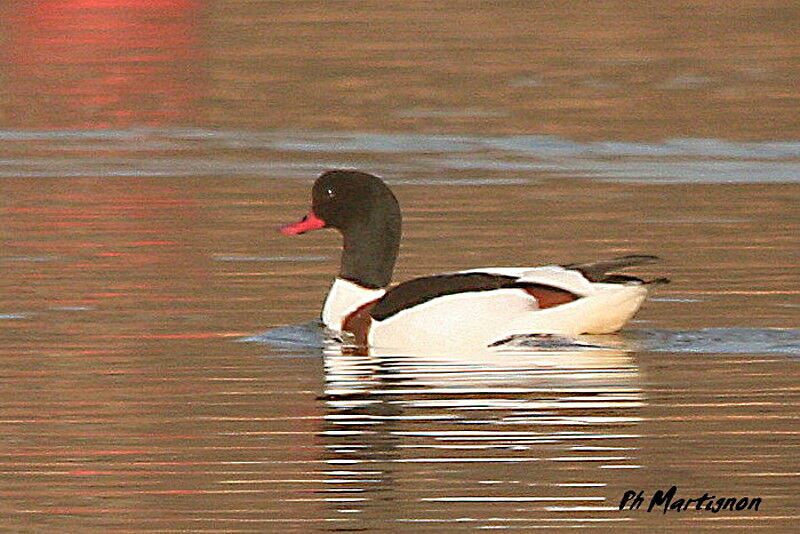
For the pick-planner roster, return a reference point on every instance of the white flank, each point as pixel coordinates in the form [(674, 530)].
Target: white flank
[(478, 319), (473, 319)]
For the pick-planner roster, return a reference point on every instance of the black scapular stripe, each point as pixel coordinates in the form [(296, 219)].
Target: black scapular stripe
[(420, 290)]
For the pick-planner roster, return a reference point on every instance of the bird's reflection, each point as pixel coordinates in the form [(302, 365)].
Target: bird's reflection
[(505, 434)]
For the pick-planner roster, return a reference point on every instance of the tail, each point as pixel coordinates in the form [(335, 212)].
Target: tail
[(598, 271)]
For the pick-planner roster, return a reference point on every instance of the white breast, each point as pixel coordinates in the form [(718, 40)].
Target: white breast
[(344, 298)]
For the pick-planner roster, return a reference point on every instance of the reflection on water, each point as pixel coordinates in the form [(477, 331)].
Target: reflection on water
[(529, 434), (603, 71), (534, 438), (83, 64)]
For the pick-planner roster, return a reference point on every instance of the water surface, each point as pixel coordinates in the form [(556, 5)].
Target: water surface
[(148, 153)]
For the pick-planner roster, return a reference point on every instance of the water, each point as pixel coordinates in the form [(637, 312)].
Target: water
[(413, 158), (148, 155)]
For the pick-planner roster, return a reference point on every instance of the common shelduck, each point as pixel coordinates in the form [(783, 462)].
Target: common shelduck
[(476, 308)]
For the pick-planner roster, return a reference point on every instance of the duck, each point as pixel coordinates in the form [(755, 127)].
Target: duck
[(476, 308)]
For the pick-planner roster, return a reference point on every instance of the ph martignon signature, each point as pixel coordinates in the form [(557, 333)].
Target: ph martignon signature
[(633, 500)]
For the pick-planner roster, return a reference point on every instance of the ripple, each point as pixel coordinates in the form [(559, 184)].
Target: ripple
[(722, 340), (12, 316), (455, 113), (674, 299), (734, 340), (32, 259), (696, 220), (301, 337), (686, 81), (292, 154), (290, 259)]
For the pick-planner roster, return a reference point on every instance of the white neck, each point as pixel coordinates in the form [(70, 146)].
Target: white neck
[(344, 298)]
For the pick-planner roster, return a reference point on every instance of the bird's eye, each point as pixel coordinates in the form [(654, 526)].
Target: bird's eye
[(330, 193)]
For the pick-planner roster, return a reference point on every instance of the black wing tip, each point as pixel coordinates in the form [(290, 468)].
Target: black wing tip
[(628, 260), (596, 271), (626, 279)]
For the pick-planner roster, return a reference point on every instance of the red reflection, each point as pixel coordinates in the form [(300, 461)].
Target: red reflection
[(101, 63)]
